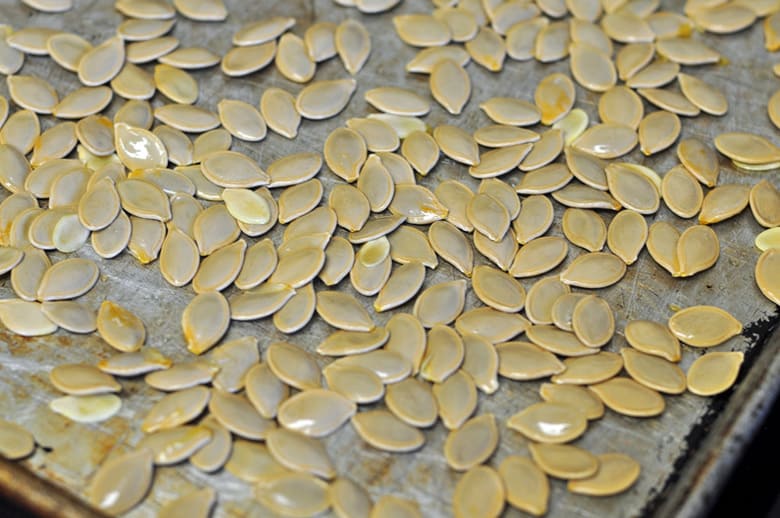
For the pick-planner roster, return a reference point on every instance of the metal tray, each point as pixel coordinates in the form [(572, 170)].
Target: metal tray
[(685, 453)]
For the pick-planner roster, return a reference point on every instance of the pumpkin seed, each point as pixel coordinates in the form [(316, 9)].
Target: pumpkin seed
[(558, 341), (112, 491), (552, 42), (564, 460), (632, 58), (293, 494), (300, 453), (584, 228), (293, 366), (179, 258), (384, 431), (407, 339), (175, 409), (544, 151), (87, 409), (119, 327), (714, 373), (521, 37), (136, 113), (82, 380), (320, 41), (102, 63), (175, 445), (616, 473), (263, 30), (20, 131), (496, 326), (190, 58), (594, 270), (348, 498), (68, 279), (260, 302), (765, 204), (626, 396), (237, 415), (702, 95), (233, 359), (215, 454), (575, 396), (292, 59), (444, 354), (538, 256), (244, 60), (767, 283), (141, 52), (440, 303), (450, 85), (554, 96), (462, 24), (697, 249), (588, 370), (11, 55), (426, 59), (122, 364), (526, 361), (682, 192), (654, 372), (607, 140), (197, 504), (527, 487), (487, 49), (324, 99), (83, 102), (379, 136), (15, 441), (187, 118), (655, 75), (110, 241), (662, 241), (723, 202), (391, 367), (182, 376), (552, 423)]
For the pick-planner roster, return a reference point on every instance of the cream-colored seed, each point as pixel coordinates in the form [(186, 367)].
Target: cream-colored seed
[(714, 372), (549, 422), (384, 431), (324, 99), (527, 487), (450, 85), (573, 395), (526, 361)]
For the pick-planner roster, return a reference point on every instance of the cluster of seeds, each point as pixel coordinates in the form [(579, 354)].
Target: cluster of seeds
[(262, 418)]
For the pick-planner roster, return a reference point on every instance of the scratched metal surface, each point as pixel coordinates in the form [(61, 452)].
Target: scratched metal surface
[(680, 474)]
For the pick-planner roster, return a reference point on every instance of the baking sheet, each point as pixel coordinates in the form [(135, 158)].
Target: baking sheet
[(685, 453)]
